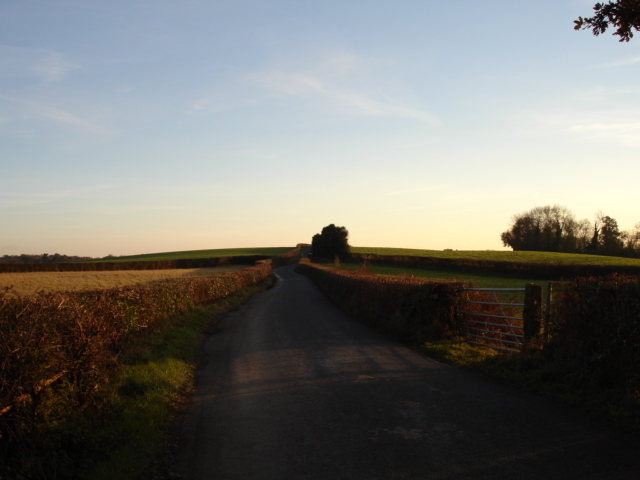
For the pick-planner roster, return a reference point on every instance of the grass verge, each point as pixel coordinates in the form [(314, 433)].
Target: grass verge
[(530, 374), (126, 442)]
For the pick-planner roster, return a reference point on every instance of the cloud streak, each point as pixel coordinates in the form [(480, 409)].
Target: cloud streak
[(419, 190), (621, 63), (32, 109), (305, 85), (16, 199), (628, 133), (340, 82), (53, 68), (46, 65)]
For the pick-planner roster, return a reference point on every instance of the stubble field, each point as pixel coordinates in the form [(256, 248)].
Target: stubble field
[(33, 282)]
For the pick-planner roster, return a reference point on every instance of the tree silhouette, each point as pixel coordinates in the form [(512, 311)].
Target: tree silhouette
[(621, 14), (332, 242), (548, 228)]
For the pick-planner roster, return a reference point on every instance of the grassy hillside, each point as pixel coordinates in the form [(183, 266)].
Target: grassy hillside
[(506, 256), (221, 252)]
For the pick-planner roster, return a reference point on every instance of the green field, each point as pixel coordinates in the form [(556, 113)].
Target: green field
[(505, 256), (477, 279), (221, 252)]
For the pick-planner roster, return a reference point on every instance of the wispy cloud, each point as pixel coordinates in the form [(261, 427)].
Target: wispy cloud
[(130, 209), (419, 190), (628, 133), (340, 81), (53, 67), (624, 62), (17, 199), (32, 109), (300, 84), (38, 63)]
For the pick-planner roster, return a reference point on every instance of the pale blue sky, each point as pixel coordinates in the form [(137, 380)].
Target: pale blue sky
[(146, 126)]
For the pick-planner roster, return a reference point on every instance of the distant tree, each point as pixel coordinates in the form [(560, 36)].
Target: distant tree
[(554, 229), (624, 15), (44, 258), (611, 242), (583, 235), (593, 248), (332, 242), (550, 229), (632, 241)]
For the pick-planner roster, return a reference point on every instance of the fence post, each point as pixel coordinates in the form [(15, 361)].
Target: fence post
[(547, 313), (532, 311)]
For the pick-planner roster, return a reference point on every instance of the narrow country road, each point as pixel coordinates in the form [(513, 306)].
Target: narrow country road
[(292, 388)]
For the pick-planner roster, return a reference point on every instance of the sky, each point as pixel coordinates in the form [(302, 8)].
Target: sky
[(147, 126)]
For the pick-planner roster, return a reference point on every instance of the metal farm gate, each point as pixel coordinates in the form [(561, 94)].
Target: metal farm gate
[(487, 320)]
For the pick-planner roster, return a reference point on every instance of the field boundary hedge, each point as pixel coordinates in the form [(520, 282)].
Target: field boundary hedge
[(407, 308), (58, 350), (538, 271), (594, 332), (133, 265)]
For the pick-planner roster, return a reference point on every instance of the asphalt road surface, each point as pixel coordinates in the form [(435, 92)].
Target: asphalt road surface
[(292, 388)]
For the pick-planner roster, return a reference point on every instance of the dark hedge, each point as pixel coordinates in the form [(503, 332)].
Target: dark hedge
[(410, 309)]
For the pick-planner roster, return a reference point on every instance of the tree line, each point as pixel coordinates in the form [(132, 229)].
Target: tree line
[(44, 258), (555, 229)]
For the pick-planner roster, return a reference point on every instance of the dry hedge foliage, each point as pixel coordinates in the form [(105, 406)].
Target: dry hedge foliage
[(57, 350)]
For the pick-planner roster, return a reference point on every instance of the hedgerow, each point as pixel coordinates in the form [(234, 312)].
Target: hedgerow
[(595, 331), (59, 350), (593, 334), (408, 308)]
